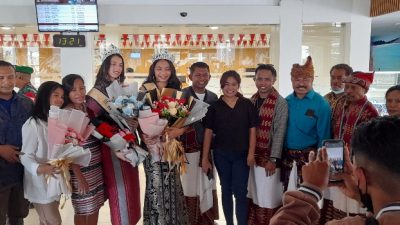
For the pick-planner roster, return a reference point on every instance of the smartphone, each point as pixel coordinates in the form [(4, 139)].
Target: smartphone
[(335, 150)]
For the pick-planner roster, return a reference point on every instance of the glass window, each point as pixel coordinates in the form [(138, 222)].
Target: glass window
[(325, 44)]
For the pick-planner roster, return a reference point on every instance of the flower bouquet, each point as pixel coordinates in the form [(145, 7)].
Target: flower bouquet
[(67, 130), (123, 102), (151, 124), (119, 139), (179, 112)]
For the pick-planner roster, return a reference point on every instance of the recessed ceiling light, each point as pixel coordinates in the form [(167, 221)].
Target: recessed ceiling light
[(6, 28), (214, 28), (337, 24)]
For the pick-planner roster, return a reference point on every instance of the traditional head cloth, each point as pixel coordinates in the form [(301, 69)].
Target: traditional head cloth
[(163, 54), (110, 50), (360, 78), (306, 70), (24, 69)]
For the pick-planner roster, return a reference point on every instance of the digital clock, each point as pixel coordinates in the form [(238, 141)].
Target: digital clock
[(61, 40)]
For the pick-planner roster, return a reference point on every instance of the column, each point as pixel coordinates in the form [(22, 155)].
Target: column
[(359, 36), (290, 40), (79, 61)]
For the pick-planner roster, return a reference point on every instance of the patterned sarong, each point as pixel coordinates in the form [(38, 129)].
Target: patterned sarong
[(121, 179), (301, 158), (346, 117)]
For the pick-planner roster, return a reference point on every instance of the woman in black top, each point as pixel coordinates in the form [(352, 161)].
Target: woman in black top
[(233, 120)]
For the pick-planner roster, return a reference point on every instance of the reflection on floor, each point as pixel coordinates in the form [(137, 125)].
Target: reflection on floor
[(67, 213)]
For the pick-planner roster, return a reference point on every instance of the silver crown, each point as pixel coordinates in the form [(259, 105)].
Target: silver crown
[(110, 50), (163, 54)]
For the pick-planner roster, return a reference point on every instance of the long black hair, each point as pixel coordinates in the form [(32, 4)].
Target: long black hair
[(68, 84), (173, 81), (102, 77), (42, 102)]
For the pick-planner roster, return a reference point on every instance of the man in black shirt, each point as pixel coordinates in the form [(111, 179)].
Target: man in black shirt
[(193, 143)]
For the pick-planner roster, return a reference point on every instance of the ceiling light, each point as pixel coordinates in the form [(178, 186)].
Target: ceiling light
[(214, 28), (6, 28), (337, 24)]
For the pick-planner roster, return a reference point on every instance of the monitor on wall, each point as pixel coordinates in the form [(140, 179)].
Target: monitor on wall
[(67, 15), (386, 52)]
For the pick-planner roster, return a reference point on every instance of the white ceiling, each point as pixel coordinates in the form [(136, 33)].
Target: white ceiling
[(381, 25), (386, 24), (161, 2)]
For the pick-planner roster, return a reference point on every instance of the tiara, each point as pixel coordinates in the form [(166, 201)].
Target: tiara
[(110, 50), (163, 54)]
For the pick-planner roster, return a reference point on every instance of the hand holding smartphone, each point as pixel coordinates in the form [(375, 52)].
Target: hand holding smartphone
[(335, 150)]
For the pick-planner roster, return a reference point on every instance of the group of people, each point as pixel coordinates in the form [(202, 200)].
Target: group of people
[(259, 146)]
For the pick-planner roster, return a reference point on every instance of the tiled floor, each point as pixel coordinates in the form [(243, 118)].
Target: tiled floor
[(67, 213)]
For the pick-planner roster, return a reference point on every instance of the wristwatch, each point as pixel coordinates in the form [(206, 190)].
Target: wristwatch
[(272, 160)]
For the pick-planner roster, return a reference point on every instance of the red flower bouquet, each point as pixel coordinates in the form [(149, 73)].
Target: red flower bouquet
[(119, 140), (172, 109)]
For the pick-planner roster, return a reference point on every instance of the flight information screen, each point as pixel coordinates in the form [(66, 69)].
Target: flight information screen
[(67, 15)]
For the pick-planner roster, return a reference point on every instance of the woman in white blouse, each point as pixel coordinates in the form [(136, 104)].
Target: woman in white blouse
[(35, 155)]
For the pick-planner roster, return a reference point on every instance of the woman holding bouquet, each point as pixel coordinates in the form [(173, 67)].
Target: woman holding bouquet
[(121, 179), (233, 120), (35, 154), (164, 200), (87, 182)]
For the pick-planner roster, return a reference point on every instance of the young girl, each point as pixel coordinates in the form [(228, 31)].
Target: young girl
[(35, 154), (164, 201), (121, 179), (87, 182)]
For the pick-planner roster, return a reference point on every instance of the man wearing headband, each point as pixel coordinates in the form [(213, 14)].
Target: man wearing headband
[(23, 81), (308, 122), (338, 73), (349, 111)]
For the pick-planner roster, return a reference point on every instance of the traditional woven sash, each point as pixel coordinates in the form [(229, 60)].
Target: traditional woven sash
[(263, 134), (344, 120), (100, 98), (149, 86)]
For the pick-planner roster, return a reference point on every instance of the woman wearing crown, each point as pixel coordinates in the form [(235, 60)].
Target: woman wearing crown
[(164, 201), (120, 177)]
